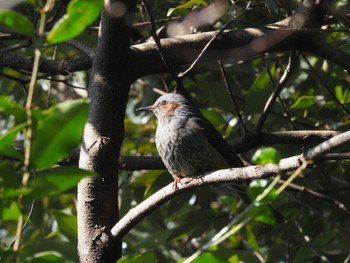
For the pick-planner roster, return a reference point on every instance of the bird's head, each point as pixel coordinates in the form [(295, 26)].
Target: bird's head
[(168, 105)]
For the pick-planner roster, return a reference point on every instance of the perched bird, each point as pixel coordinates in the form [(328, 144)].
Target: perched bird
[(187, 142)]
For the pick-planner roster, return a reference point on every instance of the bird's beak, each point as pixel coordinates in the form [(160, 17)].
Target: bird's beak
[(148, 108)]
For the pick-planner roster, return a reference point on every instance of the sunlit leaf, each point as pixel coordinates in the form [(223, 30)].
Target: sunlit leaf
[(338, 92), (6, 140), (208, 257), (266, 155), (55, 180), (257, 187), (188, 6), (304, 102), (263, 214), (58, 133), (251, 239), (11, 212), (80, 14), (16, 21)]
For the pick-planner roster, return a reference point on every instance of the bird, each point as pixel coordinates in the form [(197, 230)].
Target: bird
[(188, 144)]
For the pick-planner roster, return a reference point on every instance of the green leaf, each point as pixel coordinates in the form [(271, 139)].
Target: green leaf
[(213, 116), (188, 6), (9, 180), (338, 92), (17, 22), (263, 214), (266, 155), (304, 102), (40, 246), (11, 212), (140, 258), (47, 257), (56, 180), (67, 224), (12, 108), (259, 92), (58, 133), (6, 141), (251, 238), (257, 187), (208, 257), (80, 14)]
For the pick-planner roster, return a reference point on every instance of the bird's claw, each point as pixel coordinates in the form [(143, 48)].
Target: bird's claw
[(176, 181)]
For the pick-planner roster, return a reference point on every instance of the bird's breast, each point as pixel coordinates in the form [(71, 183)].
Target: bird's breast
[(186, 152)]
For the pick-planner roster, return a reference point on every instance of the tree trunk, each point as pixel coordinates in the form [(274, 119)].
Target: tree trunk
[(103, 135)]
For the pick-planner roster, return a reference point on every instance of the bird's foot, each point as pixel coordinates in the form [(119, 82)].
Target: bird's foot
[(181, 180), (200, 177), (176, 181)]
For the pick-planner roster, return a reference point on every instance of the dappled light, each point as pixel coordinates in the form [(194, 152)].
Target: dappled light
[(212, 131)]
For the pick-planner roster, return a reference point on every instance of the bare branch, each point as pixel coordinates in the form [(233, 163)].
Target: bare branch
[(136, 214), (238, 44), (54, 67), (327, 146), (232, 97), (242, 144), (308, 191)]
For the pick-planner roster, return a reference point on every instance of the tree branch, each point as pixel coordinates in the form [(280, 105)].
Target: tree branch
[(242, 144), (54, 67), (136, 214), (238, 44), (108, 92)]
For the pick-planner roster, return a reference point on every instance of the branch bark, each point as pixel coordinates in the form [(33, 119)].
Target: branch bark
[(237, 44), (108, 92), (136, 214)]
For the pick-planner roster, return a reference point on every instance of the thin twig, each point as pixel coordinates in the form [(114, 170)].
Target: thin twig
[(216, 36), (306, 190), (286, 75), (233, 100), (15, 47), (307, 242), (156, 21), (281, 101), (169, 68), (326, 86), (286, 112)]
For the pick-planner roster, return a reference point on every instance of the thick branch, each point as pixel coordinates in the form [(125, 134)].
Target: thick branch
[(136, 214), (238, 44), (54, 67), (103, 135)]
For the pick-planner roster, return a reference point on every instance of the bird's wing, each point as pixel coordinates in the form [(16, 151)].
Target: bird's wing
[(216, 140)]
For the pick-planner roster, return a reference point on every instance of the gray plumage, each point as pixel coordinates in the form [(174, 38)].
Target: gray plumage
[(187, 142)]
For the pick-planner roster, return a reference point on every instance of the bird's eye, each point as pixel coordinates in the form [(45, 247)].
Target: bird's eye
[(163, 103)]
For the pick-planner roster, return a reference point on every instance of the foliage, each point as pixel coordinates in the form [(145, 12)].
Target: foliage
[(315, 97)]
